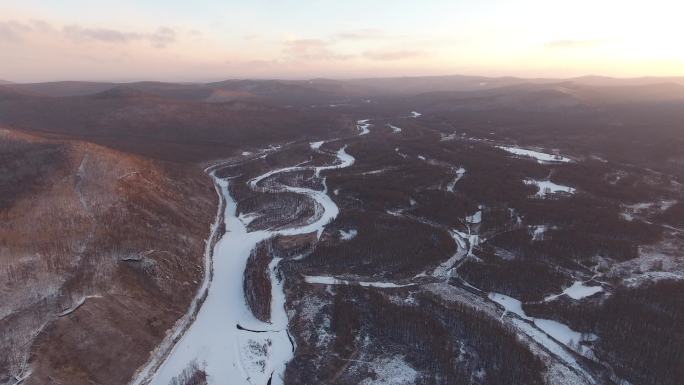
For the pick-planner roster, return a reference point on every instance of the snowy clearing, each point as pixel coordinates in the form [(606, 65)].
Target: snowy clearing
[(538, 232), (577, 291), (559, 331), (362, 126), (328, 280), (395, 129), (415, 114), (316, 145), (78, 304), (391, 371), (347, 235), (541, 157), (475, 218), (546, 187), (459, 174), (445, 269)]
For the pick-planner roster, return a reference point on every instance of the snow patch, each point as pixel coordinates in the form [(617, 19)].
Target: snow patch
[(395, 129), (347, 235), (546, 187), (328, 280), (538, 232), (541, 157), (78, 304), (391, 371), (560, 332), (362, 126), (248, 218), (577, 291), (459, 174), (316, 145), (444, 137), (475, 218)]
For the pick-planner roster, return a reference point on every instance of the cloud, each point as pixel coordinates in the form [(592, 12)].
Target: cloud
[(99, 34), (361, 34), (12, 30), (160, 38), (392, 55), (257, 63), (251, 36), (312, 49), (570, 44)]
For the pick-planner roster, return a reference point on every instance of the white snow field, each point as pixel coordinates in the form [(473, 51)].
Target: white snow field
[(348, 235), (459, 174), (541, 157), (577, 291), (538, 232), (328, 280), (316, 145), (475, 218), (362, 126), (391, 371), (395, 129), (546, 187), (559, 331), (254, 352)]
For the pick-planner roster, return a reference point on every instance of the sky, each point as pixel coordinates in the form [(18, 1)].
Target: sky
[(204, 40)]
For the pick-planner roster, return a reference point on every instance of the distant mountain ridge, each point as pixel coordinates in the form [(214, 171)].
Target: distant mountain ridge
[(321, 91)]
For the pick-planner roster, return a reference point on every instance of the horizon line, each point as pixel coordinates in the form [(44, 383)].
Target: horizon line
[(4, 81)]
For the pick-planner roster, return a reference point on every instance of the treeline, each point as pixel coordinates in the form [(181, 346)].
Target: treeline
[(304, 179), (24, 166), (386, 246), (674, 216), (257, 282), (640, 330), (448, 343), (276, 210), (522, 279), (191, 375), (580, 228)]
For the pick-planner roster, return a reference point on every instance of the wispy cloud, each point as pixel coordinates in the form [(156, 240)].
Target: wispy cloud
[(312, 49), (392, 55), (12, 30), (570, 43), (17, 31), (160, 38), (361, 34)]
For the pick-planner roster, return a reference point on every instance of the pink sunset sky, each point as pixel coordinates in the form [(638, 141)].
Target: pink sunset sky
[(212, 39)]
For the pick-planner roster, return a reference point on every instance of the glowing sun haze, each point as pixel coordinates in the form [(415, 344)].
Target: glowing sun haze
[(211, 39)]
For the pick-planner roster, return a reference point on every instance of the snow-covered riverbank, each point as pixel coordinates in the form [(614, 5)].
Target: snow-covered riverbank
[(225, 339)]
